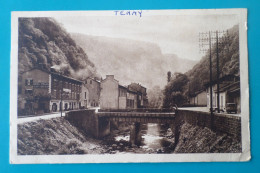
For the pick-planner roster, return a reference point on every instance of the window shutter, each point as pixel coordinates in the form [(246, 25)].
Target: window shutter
[(26, 82)]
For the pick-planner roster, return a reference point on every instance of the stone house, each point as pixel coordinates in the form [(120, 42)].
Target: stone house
[(115, 96), (43, 91)]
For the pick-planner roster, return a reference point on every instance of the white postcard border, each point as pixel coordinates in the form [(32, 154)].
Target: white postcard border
[(123, 158)]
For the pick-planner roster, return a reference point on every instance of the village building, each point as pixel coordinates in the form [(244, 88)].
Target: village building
[(43, 91), (84, 99), (198, 99), (229, 92), (93, 87), (142, 100), (115, 96)]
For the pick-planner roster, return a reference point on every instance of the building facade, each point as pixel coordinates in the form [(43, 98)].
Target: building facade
[(93, 86), (84, 98), (43, 91), (199, 99), (141, 94), (115, 96), (229, 92)]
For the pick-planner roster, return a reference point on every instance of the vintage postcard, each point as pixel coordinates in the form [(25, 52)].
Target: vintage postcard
[(129, 86)]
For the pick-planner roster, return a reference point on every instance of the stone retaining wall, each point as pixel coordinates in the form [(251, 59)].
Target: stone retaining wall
[(85, 120), (223, 123)]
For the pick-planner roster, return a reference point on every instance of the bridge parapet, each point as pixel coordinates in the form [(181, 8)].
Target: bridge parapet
[(140, 117), (138, 110)]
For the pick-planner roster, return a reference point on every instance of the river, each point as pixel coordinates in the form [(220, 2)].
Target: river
[(155, 138)]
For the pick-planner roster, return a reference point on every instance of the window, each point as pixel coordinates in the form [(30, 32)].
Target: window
[(85, 95), (28, 91), (28, 82), (90, 81)]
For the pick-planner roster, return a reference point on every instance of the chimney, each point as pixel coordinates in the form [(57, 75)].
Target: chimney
[(110, 76)]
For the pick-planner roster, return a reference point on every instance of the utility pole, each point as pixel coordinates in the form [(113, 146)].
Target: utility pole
[(61, 94), (217, 72), (210, 76), (206, 41)]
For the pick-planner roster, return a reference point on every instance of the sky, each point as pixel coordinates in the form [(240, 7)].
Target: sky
[(174, 34)]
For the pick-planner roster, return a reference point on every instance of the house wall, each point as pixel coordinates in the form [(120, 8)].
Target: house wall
[(122, 102), (133, 97), (40, 82), (214, 97), (143, 100), (135, 103), (71, 93), (84, 97), (222, 101), (201, 99), (41, 92), (34, 92), (93, 87), (109, 94), (235, 98), (122, 97)]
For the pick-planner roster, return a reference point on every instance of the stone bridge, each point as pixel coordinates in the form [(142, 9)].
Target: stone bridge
[(98, 123)]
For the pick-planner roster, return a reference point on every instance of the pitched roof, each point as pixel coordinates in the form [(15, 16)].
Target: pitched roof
[(53, 73)]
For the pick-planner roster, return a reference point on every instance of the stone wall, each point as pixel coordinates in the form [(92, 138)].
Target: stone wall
[(88, 121), (222, 123), (84, 120)]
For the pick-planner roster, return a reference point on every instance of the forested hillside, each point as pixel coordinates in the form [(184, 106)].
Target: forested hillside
[(44, 43), (182, 85), (228, 62)]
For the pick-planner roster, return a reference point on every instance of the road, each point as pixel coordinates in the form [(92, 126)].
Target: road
[(21, 120), (35, 118), (203, 109)]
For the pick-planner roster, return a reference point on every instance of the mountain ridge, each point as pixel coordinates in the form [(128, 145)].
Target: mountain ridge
[(125, 57)]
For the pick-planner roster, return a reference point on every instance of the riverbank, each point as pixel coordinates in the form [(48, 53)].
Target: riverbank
[(53, 137), (195, 139), (57, 136), (156, 138)]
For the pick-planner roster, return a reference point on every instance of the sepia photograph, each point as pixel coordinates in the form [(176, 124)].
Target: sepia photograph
[(129, 86)]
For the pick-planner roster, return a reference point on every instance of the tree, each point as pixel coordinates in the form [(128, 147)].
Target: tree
[(169, 76), (155, 97), (175, 91)]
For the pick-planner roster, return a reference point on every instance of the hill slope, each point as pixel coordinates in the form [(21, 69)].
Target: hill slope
[(43, 42), (131, 60), (54, 136), (182, 86), (228, 62)]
